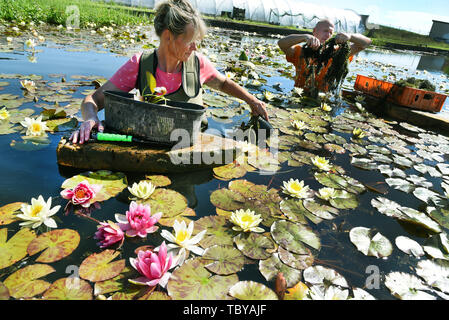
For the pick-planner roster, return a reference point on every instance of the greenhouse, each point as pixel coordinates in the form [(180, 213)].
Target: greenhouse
[(280, 12)]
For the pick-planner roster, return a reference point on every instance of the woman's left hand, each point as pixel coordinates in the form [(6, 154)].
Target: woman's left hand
[(259, 108)]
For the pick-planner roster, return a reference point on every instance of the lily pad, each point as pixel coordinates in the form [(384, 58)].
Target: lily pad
[(16, 248), (250, 290), (406, 286), (67, 289), (377, 245), (218, 231), (273, 265), (226, 199), (254, 245), (225, 259), (98, 266), (23, 283), (57, 244), (296, 212), (440, 215), (60, 125), (192, 281), (293, 236), (297, 261), (4, 292), (230, 171), (333, 180), (159, 180), (8, 212), (322, 276), (112, 183), (117, 283), (409, 246), (170, 202), (435, 273), (344, 200), (322, 211)]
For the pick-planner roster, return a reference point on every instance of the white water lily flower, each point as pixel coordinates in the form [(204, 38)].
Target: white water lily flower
[(295, 188), (142, 190), (298, 91), (35, 127), (30, 43), (182, 240), (38, 212), (326, 107), (9, 39), (28, 85), (229, 75), (299, 125), (246, 220), (41, 38), (268, 95), (4, 114), (321, 163), (326, 193)]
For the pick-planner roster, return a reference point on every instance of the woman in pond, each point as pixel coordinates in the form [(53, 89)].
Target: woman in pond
[(175, 65)]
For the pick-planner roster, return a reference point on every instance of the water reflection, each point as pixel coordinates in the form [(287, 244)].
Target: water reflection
[(434, 63)]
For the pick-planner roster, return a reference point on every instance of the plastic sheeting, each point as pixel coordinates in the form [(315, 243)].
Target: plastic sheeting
[(283, 12)]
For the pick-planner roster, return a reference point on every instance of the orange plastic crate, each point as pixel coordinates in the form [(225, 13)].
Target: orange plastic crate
[(404, 96)]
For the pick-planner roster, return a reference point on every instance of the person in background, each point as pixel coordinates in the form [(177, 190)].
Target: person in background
[(180, 28), (324, 29)]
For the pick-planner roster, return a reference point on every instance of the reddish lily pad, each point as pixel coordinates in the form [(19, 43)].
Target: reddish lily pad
[(112, 183), (7, 212), (156, 295), (117, 283), (58, 244), (16, 248), (225, 259), (250, 290), (230, 171), (98, 266), (192, 281), (4, 292), (170, 202), (62, 289), (23, 283)]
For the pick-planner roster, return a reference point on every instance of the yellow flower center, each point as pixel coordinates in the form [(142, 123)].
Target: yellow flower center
[(80, 194), (36, 127), (247, 218), (296, 187), (181, 236), (36, 210)]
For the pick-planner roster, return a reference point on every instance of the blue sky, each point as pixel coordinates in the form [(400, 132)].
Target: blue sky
[(410, 15)]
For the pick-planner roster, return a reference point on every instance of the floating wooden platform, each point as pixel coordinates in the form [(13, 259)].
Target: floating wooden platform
[(209, 151)]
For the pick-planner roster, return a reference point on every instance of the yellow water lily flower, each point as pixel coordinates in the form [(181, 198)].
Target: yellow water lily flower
[(28, 85), (35, 127), (4, 114), (246, 220), (295, 188), (142, 190), (326, 107), (326, 193), (299, 125), (321, 163), (38, 212), (358, 133)]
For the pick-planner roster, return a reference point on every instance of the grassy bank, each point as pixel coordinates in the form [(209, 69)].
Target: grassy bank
[(385, 35), (54, 12)]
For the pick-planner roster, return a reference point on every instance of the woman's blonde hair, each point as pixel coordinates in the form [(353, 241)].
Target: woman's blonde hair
[(175, 15)]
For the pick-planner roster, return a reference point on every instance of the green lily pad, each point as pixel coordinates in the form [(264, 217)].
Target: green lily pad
[(68, 289), (23, 283), (225, 259), (250, 290), (117, 283), (407, 286), (297, 261), (112, 183), (226, 199), (4, 292), (30, 143), (334, 148), (7, 128), (17, 116), (428, 196), (322, 211), (156, 295), (322, 276), (59, 125), (230, 171), (57, 244), (440, 215), (417, 217), (435, 273), (98, 266), (355, 149), (344, 200), (159, 180), (400, 184), (170, 202), (247, 188), (270, 267), (293, 236), (16, 248), (295, 211), (377, 245), (8, 212), (333, 180), (218, 231), (192, 281), (363, 163), (254, 245)]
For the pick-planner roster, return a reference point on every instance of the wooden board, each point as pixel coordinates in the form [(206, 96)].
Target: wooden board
[(209, 151)]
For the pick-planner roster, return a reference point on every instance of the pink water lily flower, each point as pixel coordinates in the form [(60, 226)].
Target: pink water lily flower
[(108, 233), (138, 220), (82, 194), (152, 266)]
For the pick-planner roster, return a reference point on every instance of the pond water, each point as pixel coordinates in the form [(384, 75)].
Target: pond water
[(28, 174)]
